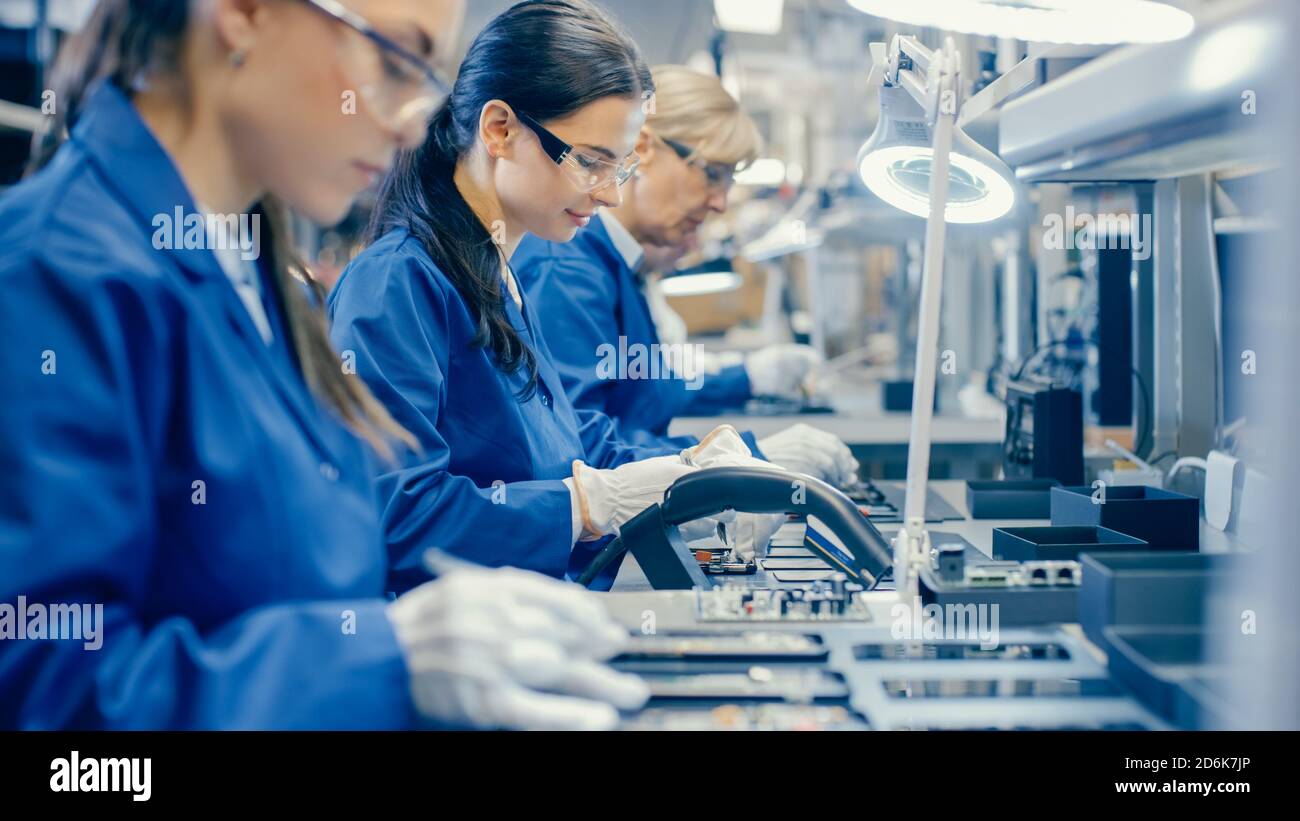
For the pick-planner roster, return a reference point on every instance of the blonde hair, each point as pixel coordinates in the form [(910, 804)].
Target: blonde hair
[(693, 108)]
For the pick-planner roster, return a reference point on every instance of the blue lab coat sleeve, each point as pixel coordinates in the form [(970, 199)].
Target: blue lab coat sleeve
[(607, 448), (728, 388), (395, 321), (89, 366)]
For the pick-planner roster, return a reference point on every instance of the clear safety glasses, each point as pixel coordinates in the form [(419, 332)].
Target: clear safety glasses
[(394, 82), (719, 176), (588, 173)]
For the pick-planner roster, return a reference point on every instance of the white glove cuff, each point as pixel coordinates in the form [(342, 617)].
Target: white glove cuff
[(587, 529)]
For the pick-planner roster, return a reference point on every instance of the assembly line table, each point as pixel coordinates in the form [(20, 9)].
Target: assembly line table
[(645, 611), (978, 532)]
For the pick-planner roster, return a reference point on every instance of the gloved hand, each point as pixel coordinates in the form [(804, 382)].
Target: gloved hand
[(748, 533), (780, 370), (513, 650), (607, 499), (805, 449), (721, 447)]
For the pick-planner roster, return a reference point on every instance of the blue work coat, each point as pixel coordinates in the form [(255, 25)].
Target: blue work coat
[(161, 462), (487, 482)]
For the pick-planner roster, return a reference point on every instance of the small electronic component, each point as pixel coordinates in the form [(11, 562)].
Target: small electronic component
[(759, 645), (831, 599), (959, 651), (779, 717), (950, 561), (1110, 726), (1006, 574), (798, 685), (724, 563), (1002, 688), (1033, 592)]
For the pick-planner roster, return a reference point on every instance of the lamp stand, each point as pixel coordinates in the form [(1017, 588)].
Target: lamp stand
[(912, 542)]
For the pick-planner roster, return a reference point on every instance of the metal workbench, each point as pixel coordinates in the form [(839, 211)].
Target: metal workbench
[(642, 610)]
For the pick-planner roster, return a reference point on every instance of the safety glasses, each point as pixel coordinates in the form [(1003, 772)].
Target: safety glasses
[(720, 176), (397, 84), (588, 173)]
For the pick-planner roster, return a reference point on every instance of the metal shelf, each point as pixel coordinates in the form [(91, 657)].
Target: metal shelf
[(1152, 112)]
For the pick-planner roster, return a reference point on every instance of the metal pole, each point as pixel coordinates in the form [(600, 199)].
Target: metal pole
[(913, 541)]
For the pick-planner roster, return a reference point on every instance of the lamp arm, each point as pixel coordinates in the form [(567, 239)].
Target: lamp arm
[(911, 546)]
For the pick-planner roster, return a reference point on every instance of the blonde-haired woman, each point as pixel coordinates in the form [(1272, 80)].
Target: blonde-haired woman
[(592, 297)]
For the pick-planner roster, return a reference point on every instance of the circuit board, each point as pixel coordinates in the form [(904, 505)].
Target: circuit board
[(830, 600)]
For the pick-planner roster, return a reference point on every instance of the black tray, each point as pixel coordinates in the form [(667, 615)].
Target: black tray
[(1027, 544), (1170, 671), (1154, 588), (1161, 518), (1010, 498)]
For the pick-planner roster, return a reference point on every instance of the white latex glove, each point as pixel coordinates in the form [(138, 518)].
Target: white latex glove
[(780, 370), (608, 499), (751, 533), (513, 650), (748, 533), (722, 447), (805, 449)]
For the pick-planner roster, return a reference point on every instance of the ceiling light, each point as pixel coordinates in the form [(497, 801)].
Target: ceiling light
[(711, 282), (1091, 22), (750, 16), (763, 173)]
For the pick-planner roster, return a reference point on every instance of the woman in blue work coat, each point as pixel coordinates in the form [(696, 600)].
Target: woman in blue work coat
[(535, 137), (594, 297), (181, 453)]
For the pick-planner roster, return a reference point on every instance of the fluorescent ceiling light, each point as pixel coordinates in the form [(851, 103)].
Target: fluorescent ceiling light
[(1090, 22), (789, 236), (895, 164), (750, 16), (1226, 59), (713, 282), (764, 172)]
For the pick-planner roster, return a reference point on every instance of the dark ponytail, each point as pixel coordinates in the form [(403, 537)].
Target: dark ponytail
[(547, 58), (132, 43), (123, 42)]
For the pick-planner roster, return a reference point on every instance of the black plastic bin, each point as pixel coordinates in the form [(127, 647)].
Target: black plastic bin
[(1010, 498), (1161, 518), (1027, 544)]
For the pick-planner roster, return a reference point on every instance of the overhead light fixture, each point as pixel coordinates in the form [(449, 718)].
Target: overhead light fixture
[(713, 277), (791, 235), (896, 161), (763, 173), (1081, 22), (750, 16)]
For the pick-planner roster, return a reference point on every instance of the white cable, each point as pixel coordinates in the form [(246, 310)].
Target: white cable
[(1186, 462)]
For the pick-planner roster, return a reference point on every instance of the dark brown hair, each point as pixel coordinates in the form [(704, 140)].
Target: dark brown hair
[(546, 58)]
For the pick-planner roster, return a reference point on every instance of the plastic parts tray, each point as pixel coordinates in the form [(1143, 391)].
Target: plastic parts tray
[(1010, 498), (1026, 544), (1161, 518)]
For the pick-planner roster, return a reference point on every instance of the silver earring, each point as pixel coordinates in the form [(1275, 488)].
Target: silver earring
[(237, 58)]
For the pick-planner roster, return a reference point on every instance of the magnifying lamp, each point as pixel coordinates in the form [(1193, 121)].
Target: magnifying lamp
[(920, 161), (898, 159)]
